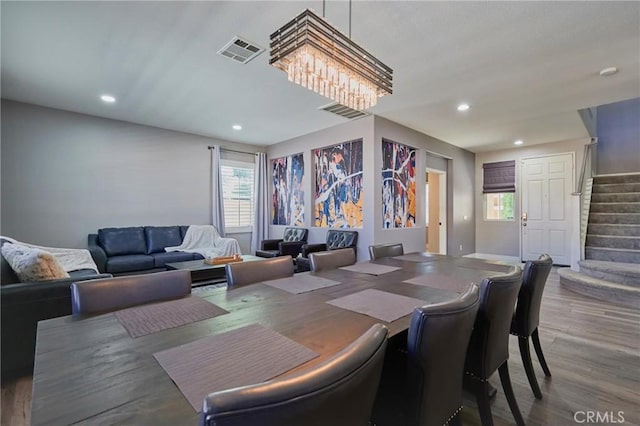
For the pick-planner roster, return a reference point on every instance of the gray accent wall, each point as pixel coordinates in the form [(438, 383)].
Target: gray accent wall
[(618, 149), (65, 175), (372, 129)]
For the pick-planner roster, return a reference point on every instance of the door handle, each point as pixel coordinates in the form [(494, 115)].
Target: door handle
[(524, 216)]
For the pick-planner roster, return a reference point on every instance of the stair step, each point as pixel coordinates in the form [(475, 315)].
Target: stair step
[(615, 218), (624, 178), (618, 242), (614, 207), (613, 229), (617, 272), (616, 197), (616, 187), (598, 288), (612, 255)]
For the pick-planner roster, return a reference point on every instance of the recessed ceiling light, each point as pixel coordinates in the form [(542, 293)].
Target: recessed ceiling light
[(108, 98), (518, 142), (609, 71), (463, 107), (237, 127)]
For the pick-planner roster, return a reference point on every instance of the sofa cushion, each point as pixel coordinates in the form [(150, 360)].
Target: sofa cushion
[(7, 274), (129, 263), (161, 259), (183, 231), (121, 241), (159, 237), (32, 264)]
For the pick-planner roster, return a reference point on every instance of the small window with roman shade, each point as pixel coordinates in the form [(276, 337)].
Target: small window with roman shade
[(498, 187)]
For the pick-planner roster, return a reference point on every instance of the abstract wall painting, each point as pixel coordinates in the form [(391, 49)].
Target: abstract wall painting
[(398, 185), (288, 190), (338, 195)]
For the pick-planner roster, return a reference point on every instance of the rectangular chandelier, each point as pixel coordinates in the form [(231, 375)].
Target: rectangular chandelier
[(319, 57)]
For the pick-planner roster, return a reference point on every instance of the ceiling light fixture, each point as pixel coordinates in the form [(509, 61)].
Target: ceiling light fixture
[(518, 142), (237, 127), (463, 107), (318, 56), (609, 71), (108, 99)]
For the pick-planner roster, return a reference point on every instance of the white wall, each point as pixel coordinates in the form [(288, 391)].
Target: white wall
[(65, 175), (503, 237), (372, 129)]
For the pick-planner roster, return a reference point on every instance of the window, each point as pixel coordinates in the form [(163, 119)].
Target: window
[(237, 190), (499, 206), (498, 186)]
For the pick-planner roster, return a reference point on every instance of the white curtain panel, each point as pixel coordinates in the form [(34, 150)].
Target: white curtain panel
[(217, 199), (261, 202)]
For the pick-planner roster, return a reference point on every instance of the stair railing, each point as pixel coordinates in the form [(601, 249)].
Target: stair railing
[(585, 190), (588, 155)]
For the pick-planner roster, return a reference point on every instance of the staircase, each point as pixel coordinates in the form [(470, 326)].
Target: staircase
[(611, 269)]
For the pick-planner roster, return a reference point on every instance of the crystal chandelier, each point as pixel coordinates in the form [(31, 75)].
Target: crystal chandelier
[(319, 57)]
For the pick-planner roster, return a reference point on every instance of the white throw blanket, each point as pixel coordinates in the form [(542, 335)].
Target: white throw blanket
[(69, 259), (205, 240)]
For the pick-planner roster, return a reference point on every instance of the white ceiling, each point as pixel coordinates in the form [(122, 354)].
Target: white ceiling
[(525, 67)]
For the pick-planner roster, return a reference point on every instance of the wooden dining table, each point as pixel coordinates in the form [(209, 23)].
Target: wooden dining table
[(89, 370)]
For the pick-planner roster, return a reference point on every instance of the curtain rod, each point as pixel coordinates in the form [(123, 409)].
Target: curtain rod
[(233, 150)]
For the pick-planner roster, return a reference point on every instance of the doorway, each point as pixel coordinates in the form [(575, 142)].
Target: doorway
[(546, 207), (436, 211)]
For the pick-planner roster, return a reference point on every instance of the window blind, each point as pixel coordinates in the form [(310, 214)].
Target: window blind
[(499, 177)]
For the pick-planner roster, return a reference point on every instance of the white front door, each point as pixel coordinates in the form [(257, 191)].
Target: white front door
[(546, 184)]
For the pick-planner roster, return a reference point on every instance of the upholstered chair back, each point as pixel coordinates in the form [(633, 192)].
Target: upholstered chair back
[(385, 250), (338, 392), (332, 259), (534, 278), (337, 239), (112, 294), (295, 234), (436, 348), (243, 273)]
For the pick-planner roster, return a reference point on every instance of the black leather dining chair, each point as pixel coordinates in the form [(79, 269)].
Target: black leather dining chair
[(243, 273), (436, 348), (385, 250), (112, 294), (527, 316), (332, 259), (337, 392), (488, 349)]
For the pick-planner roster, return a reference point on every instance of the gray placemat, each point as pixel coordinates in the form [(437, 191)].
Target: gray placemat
[(147, 319), (301, 283), (370, 268), (241, 357), (416, 258), (483, 265), (444, 282), (378, 304)]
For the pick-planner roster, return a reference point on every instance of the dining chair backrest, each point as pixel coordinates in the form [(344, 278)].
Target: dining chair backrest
[(340, 391), (436, 348), (385, 250), (332, 259), (243, 273), (534, 278), (111, 294), (489, 344)]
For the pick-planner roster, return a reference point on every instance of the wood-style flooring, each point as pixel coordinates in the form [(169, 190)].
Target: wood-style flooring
[(592, 348)]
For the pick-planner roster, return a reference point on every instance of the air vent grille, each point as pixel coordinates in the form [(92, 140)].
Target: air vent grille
[(343, 111), (241, 50)]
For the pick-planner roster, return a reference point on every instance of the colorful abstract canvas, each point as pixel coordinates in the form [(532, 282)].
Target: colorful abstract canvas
[(398, 185), (338, 196), (288, 190)]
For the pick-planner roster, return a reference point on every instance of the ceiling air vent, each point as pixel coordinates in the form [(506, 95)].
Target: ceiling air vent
[(343, 111), (241, 50)]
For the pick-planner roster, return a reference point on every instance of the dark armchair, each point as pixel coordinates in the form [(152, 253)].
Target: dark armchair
[(336, 239), (290, 244)]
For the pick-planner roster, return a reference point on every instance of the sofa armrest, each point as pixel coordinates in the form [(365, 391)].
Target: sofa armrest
[(270, 244), (312, 248), (292, 248), (97, 253)]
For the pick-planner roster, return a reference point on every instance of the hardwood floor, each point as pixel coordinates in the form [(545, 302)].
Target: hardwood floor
[(593, 352)]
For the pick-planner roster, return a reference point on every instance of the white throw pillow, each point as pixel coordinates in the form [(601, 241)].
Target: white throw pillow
[(31, 264)]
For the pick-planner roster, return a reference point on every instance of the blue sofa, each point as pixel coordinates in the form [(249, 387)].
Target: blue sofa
[(140, 249)]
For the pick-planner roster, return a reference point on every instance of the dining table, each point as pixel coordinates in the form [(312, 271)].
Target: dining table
[(91, 370)]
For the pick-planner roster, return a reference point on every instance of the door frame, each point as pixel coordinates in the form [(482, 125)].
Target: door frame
[(442, 213), (574, 215)]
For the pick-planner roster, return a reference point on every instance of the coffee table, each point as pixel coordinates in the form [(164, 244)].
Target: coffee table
[(203, 273)]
